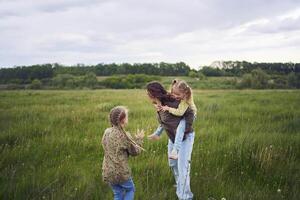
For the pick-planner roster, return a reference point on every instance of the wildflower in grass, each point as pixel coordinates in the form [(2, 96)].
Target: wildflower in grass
[(223, 198), (278, 190)]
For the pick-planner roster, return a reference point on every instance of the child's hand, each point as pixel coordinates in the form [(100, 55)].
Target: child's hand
[(165, 108), (153, 137), (140, 134)]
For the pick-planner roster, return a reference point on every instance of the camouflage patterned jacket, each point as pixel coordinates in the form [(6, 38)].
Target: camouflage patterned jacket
[(117, 148)]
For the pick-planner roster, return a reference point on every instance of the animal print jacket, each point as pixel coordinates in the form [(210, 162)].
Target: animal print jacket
[(117, 148)]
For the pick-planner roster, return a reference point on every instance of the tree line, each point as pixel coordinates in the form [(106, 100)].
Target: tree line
[(25, 74), (274, 75), (239, 68)]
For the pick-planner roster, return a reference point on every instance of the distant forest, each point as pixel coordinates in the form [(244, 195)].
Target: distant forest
[(51, 74)]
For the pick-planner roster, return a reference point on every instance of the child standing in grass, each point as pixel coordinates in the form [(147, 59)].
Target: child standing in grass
[(180, 90), (118, 145)]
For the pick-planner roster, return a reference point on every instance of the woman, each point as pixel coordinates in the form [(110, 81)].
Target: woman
[(169, 122)]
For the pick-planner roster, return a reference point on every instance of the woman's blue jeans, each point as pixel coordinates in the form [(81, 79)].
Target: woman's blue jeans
[(181, 167)]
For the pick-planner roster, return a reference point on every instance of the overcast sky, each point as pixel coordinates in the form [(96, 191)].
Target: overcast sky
[(197, 32)]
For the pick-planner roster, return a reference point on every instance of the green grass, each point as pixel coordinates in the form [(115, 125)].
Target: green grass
[(247, 145)]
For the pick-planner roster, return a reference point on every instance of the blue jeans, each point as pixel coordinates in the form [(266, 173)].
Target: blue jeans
[(179, 133), (181, 167), (124, 191)]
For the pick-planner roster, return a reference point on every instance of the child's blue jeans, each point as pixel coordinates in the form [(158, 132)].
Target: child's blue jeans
[(179, 133), (124, 191)]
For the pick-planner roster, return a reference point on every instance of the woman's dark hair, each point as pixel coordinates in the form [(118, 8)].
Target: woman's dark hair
[(156, 90)]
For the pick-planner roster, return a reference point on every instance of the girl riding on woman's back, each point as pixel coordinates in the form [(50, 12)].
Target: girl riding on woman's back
[(174, 126), (183, 92)]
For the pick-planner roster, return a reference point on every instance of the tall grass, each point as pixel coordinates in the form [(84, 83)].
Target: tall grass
[(247, 145)]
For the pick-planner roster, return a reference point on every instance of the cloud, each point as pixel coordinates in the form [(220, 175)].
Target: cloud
[(196, 32), (22, 8), (289, 22)]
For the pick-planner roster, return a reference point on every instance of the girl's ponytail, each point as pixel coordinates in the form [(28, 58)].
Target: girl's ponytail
[(187, 90), (130, 139), (116, 115)]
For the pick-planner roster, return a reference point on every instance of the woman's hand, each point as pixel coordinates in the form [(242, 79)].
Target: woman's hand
[(158, 107), (153, 137)]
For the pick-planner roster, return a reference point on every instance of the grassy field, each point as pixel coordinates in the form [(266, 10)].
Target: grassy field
[(247, 145)]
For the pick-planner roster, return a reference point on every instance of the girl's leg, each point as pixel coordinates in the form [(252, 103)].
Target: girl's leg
[(172, 163), (184, 160), (178, 139), (129, 189), (118, 192)]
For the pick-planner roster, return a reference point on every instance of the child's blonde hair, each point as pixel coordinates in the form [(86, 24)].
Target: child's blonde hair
[(116, 115), (184, 88)]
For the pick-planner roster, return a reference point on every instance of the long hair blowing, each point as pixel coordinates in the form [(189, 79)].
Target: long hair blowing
[(157, 91), (116, 115)]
